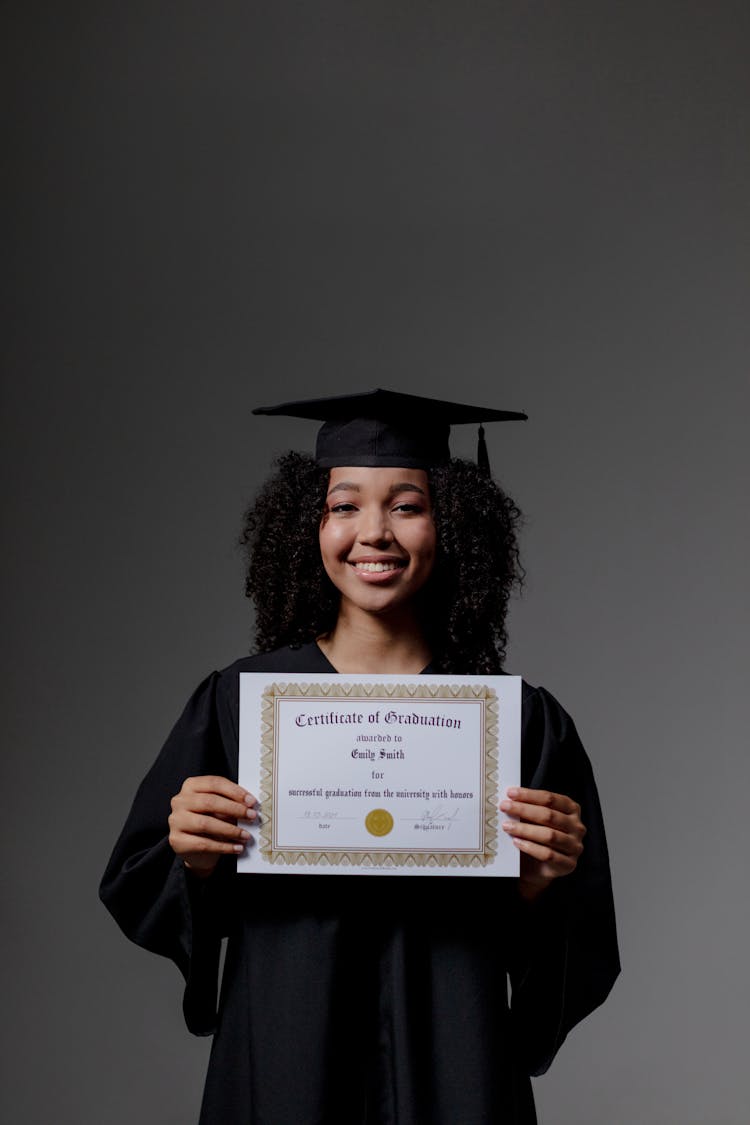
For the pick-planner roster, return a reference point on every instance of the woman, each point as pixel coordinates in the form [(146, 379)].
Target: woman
[(380, 999)]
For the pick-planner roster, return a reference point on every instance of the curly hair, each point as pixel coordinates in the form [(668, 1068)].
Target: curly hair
[(464, 604)]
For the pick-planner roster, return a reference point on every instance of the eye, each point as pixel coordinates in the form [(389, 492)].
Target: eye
[(409, 508), (342, 508)]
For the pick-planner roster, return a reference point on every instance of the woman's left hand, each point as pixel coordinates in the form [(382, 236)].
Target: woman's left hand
[(549, 834)]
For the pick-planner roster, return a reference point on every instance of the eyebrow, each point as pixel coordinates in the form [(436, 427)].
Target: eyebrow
[(402, 486)]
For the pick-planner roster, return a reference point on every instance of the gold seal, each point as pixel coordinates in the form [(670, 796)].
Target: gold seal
[(379, 822)]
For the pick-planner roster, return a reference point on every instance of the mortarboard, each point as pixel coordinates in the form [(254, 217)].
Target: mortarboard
[(387, 428)]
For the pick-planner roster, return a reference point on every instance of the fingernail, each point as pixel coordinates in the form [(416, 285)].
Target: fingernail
[(513, 791), (506, 806), (239, 847), (249, 799), (507, 825), (245, 834)]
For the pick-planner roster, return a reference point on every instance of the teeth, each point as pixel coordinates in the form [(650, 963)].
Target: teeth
[(376, 567)]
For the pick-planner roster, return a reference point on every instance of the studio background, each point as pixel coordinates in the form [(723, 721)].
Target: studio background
[(534, 206)]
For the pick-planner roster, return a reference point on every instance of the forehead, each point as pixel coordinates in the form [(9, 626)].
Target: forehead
[(377, 480)]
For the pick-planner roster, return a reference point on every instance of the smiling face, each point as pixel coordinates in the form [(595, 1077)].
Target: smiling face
[(377, 536)]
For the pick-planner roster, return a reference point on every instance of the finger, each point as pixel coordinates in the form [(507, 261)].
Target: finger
[(217, 806), (185, 845), (197, 824), (561, 842), (210, 783), (557, 863), (557, 801), (542, 814)]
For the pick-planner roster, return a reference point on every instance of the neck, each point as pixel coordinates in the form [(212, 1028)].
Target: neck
[(364, 643)]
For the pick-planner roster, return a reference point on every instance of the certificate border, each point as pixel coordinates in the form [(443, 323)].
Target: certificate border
[(380, 856)]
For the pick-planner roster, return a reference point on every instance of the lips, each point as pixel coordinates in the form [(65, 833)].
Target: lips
[(375, 565)]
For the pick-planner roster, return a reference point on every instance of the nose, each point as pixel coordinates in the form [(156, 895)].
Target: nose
[(374, 528)]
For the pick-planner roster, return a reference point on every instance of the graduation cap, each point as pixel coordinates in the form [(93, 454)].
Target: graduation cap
[(387, 428)]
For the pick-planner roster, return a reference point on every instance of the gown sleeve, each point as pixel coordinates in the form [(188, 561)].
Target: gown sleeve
[(565, 957), (146, 887)]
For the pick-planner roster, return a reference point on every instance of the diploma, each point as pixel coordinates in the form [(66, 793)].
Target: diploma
[(399, 776)]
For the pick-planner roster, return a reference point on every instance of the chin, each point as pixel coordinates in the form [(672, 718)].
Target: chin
[(381, 602)]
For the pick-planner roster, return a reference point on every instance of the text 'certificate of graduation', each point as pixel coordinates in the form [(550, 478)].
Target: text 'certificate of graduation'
[(393, 776)]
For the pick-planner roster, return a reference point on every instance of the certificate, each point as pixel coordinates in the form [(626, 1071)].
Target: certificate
[(399, 775)]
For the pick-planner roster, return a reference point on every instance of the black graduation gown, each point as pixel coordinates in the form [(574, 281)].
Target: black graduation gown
[(367, 999)]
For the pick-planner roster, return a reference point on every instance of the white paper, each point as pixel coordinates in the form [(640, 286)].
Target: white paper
[(389, 775)]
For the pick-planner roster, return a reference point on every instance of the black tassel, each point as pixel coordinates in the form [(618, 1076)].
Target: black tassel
[(483, 459)]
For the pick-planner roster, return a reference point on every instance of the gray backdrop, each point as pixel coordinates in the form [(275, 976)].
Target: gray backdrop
[(531, 205)]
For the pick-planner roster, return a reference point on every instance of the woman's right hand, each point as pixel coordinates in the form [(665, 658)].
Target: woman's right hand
[(203, 823)]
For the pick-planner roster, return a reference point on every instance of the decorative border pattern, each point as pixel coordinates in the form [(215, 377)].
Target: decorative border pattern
[(380, 857)]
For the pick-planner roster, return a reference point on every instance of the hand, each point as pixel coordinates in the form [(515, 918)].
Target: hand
[(203, 823), (549, 834)]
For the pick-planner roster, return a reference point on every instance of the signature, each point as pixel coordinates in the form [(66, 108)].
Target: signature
[(439, 813), (314, 814)]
